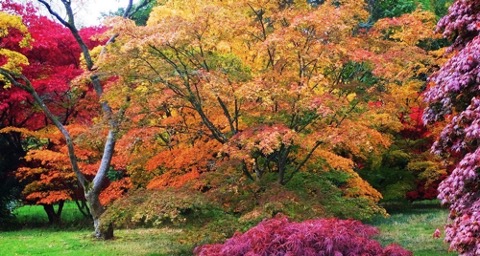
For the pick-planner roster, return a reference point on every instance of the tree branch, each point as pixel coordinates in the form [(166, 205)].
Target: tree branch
[(29, 88), (56, 15), (227, 114), (307, 157)]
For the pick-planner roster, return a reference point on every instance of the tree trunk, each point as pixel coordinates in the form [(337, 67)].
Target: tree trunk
[(54, 218), (102, 230), (83, 207), (282, 164), (91, 193)]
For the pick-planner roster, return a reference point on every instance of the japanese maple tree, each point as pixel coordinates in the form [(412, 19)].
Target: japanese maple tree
[(279, 236), (269, 83), (54, 61), (454, 96), (280, 87), (14, 63)]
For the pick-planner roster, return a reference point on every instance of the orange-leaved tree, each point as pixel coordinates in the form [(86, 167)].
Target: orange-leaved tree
[(404, 52), (282, 87)]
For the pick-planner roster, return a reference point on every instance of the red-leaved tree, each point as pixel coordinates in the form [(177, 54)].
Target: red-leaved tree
[(455, 96), (54, 61)]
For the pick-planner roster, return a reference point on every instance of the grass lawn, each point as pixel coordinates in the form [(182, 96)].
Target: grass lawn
[(412, 228), (127, 242), (33, 216), (74, 237)]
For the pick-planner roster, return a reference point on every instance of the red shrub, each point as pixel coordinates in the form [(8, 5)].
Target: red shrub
[(279, 236)]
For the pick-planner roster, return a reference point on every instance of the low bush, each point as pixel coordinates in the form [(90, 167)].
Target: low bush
[(151, 208), (279, 236)]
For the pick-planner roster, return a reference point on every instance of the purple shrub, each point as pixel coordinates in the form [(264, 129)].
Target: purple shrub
[(278, 236), (454, 95)]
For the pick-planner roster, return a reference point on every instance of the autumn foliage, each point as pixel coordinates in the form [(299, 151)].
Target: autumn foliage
[(279, 236), (43, 68), (279, 88), (257, 106), (53, 62), (454, 97)]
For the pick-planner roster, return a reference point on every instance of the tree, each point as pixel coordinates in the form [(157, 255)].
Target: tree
[(395, 8), (140, 16), (10, 145), (54, 61), (11, 71), (454, 96), (276, 87), (263, 101), (392, 41)]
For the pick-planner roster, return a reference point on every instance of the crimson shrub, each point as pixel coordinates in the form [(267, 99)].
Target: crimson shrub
[(279, 236)]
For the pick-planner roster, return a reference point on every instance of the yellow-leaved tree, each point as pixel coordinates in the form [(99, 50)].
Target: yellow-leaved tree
[(280, 86)]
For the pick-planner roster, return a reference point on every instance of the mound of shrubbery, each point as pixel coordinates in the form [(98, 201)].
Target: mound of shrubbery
[(305, 196), (218, 204), (279, 236), (146, 208)]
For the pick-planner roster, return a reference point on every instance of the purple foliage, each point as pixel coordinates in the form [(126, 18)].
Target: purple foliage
[(457, 91), (457, 80), (462, 22), (279, 236)]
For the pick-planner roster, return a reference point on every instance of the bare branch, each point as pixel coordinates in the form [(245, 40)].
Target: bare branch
[(55, 14), (304, 161)]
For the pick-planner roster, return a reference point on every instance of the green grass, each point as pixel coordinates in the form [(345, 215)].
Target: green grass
[(127, 242), (31, 235), (31, 216), (411, 227)]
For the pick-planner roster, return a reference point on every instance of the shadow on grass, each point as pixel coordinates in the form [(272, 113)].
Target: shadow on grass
[(34, 217), (394, 207)]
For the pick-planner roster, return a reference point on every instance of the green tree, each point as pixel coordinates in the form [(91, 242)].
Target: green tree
[(395, 8), (140, 14)]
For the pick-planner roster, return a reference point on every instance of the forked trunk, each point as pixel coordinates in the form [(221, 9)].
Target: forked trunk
[(54, 217)]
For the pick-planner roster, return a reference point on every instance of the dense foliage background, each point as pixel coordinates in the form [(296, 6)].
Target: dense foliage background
[(231, 112)]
